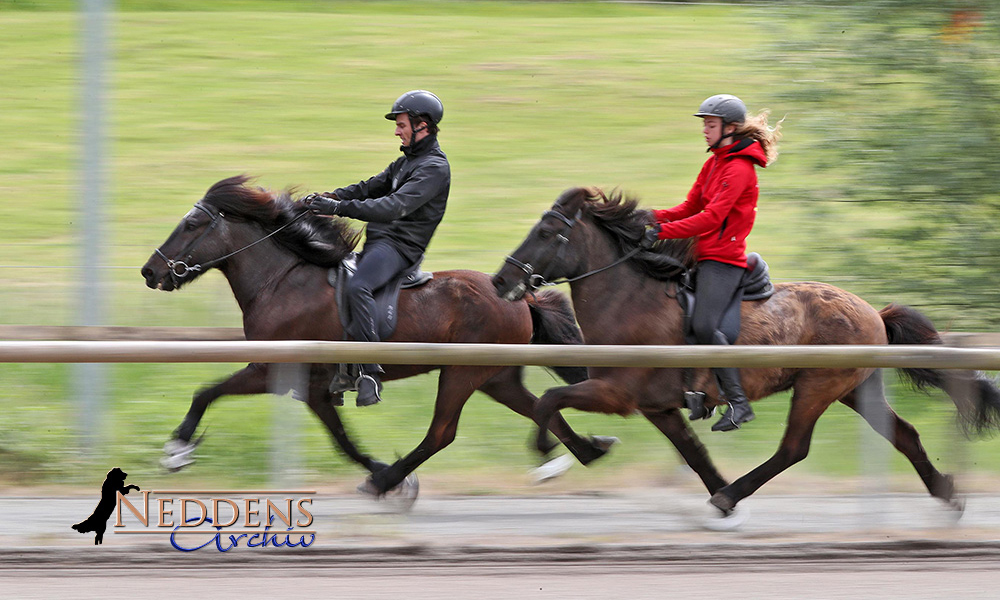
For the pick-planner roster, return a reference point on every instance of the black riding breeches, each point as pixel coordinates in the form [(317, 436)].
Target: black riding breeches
[(717, 301), (378, 264)]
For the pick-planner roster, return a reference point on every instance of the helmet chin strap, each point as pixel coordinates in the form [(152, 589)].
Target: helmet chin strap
[(722, 136), (414, 132)]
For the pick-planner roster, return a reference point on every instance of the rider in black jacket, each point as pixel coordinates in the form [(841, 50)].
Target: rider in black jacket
[(403, 206)]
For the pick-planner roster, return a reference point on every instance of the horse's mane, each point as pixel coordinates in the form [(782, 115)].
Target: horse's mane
[(319, 240), (619, 216)]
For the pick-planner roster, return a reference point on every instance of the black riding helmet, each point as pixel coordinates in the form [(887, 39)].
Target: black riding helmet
[(419, 104)]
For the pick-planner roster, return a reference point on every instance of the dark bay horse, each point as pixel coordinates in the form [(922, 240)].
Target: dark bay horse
[(620, 297), (276, 254)]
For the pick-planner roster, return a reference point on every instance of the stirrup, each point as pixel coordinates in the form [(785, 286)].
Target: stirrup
[(729, 422), (343, 380), (368, 393)]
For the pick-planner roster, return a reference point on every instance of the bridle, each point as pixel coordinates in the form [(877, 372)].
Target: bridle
[(179, 269), (536, 280)]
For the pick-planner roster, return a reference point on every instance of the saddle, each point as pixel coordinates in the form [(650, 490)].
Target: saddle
[(386, 297), (346, 376), (756, 285)]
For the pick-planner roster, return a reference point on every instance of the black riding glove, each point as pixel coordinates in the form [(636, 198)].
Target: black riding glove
[(650, 236), (321, 204)]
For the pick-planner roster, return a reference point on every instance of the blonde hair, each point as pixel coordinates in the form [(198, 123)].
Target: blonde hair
[(756, 128)]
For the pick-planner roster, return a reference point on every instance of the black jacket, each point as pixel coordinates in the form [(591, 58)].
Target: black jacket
[(404, 203)]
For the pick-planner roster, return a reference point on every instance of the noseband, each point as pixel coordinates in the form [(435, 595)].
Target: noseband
[(179, 269), (562, 238)]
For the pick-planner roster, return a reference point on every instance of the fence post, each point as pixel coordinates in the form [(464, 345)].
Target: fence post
[(89, 380), (286, 467), (877, 430)]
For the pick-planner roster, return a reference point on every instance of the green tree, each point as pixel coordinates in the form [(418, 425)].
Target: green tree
[(903, 95)]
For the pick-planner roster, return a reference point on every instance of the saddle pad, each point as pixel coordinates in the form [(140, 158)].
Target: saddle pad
[(386, 297)]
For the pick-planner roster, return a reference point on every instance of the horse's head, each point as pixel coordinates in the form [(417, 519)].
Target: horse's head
[(233, 217), (563, 244), (187, 252), (546, 253)]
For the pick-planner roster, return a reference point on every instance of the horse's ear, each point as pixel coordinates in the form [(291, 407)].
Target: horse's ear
[(574, 198), (593, 193)]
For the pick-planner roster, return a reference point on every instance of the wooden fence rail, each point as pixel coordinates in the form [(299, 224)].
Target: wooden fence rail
[(941, 357)]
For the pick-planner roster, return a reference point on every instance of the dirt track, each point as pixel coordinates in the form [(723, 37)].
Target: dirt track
[(636, 544)]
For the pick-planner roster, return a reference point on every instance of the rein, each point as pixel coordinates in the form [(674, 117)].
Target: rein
[(180, 269), (536, 280)]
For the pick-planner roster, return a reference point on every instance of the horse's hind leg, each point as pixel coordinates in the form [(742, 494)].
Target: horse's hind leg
[(673, 425), (813, 395), (507, 389), (868, 400), (455, 386), (319, 401)]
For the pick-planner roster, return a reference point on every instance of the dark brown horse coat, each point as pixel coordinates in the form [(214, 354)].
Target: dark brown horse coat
[(275, 255), (630, 304)]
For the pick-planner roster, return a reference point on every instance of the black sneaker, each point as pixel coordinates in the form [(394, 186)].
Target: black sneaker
[(369, 390)]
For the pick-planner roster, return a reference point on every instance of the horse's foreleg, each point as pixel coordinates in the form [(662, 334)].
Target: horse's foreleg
[(507, 389), (809, 401), (179, 449), (319, 402), (455, 386), (673, 425), (592, 395), (868, 400), (252, 379)]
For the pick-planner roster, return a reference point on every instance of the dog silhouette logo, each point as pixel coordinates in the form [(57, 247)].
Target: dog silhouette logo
[(98, 521)]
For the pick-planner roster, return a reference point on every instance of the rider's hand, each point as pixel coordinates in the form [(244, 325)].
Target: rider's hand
[(650, 236), (322, 203)]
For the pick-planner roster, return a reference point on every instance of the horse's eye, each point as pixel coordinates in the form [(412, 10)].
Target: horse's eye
[(190, 226), (544, 234)]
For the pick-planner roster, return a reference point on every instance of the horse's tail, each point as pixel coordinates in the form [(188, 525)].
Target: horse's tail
[(553, 322), (975, 396)]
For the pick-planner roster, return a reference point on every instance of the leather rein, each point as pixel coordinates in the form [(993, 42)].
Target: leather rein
[(179, 269), (536, 280)]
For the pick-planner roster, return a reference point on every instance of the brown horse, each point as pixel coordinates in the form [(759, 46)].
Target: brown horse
[(276, 255), (618, 292)]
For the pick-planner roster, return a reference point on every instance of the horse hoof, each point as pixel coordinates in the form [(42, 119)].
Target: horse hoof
[(722, 502), (956, 507), (368, 488), (730, 520), (604, 442), (179, 454), (551, 469), (402, 497)]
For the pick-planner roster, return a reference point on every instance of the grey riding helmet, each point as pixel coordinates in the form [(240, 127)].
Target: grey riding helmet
[(418, 104), (730, 108)]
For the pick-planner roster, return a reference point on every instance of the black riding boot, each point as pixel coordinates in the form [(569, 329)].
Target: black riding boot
[(739, 410)]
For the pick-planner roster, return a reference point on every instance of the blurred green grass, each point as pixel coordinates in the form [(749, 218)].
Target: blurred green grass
[(539, 97)]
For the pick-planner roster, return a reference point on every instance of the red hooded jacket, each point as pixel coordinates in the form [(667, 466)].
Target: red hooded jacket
[(721, 206)]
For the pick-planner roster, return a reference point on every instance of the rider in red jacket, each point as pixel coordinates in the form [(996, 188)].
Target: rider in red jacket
[(719, 212)]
